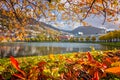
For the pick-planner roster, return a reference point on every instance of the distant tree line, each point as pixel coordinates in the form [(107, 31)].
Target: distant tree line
[(42, 39), (113, 36), (88, 39), (58, 39)]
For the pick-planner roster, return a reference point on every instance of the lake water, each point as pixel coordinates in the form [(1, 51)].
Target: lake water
[(36, 49)]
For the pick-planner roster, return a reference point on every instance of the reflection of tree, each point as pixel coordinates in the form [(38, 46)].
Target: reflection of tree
[(1, 52), (19, 50), (7, 51)]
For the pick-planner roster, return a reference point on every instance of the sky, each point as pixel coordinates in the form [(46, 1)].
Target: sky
[(98, 20), (93, 21)]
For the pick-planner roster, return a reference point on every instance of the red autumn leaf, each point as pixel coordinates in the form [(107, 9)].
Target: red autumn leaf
[(90, 58), (96, 76), (108, 60), (15, 64), (98, 64), (104, 66), (42, 63)]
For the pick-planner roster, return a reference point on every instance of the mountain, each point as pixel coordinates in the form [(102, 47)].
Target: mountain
[(87, 30), (52, 27), (39, 28)]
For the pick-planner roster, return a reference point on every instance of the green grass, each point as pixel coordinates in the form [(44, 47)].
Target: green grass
[(116, 44)]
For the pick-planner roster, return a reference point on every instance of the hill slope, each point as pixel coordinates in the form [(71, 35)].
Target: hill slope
[(88, 30)]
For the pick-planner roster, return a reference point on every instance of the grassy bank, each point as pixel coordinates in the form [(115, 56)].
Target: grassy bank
[(116, 44), (73, 66)]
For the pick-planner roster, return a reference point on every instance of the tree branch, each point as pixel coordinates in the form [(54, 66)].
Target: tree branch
[(89, 9), (38, 7), (14, 11), (104, 10)]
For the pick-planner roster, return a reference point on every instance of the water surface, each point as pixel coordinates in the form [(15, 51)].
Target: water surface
[(36, 49)]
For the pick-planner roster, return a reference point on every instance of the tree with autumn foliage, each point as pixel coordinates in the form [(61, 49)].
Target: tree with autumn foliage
[(16, 14), (93, 38), (87, 38), (81, 39), (113, 36)]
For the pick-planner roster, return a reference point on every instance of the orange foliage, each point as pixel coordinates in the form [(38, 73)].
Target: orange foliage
[(18, 14), (90, 58), (96, 76), (16, 65), (114, 70), (14, 62)]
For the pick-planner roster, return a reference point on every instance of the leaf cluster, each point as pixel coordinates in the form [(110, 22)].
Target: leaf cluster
[(76, 66)]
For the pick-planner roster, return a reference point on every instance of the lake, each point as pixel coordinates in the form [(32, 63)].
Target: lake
[(37, 49)]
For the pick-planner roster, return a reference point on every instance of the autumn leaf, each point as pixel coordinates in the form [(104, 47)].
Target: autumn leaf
[(116, 64), (104, 66), (19, 76), (51, 56), (114, 70), (96, 76), (69, 61), (15, 64), (109, 60), (51, 6), (42, 63), (84, 23), (60, 6), (90, 58)]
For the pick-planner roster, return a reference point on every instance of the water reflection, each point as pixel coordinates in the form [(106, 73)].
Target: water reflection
[(31, 49)]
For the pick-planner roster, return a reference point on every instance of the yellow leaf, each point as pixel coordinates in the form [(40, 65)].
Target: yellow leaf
[(84, 23), (51, 56), (116, 64), (61, 7), (51, 6), (53, 18)]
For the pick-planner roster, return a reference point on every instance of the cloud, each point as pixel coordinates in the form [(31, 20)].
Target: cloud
[(98, 20), (95, 21)]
